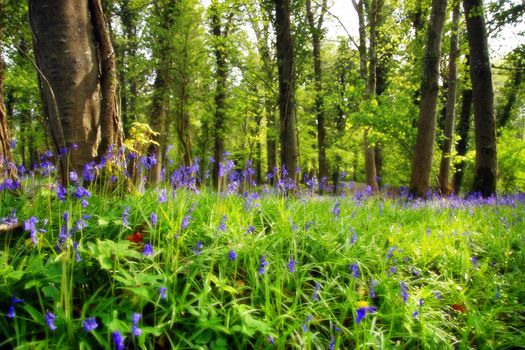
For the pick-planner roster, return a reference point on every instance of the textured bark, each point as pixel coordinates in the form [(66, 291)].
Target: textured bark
[(288, 134), (444, 168), (504, 112), (111, 128), (7, 168), (485, 177), (315, 28), (422, 162), (67, 58), (463, 131), (221, 75)]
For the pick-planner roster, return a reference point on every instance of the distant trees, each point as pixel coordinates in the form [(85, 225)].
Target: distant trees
[(77, 77)]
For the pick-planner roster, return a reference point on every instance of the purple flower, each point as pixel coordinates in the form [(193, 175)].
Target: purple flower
[(197, 248), (372, 285), (88, 173), (474, 261), (153, 219), (362, 311), (250, 230), (135, 330), (404, 291), (391, 252), (355, 270), (90, 324), (232, 255), (125, 216), (50, 320), (316, 291), (11, 311), (185, 222), (421, 302), (163, 293), (392, 270), (222, 225), (354, 236), (163, 197), (30, 225), (336, 210), (332, 344), (81, 192), (15, 300), (271, 340), (148, 250), (291, 265), (438, 295), (415, 314), (73, 177), (118, 339), (78, 258), (263, 264), (61, 192)]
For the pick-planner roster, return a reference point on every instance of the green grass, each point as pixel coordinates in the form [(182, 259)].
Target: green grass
[(216, 303)]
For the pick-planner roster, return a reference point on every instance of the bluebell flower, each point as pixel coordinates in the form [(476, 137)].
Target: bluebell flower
[(61, 192), (125, 216), (437, 294), (474, 261), (354, 236), (355, 270), (148, 250), (78, 258), (118, 339), (404, 291), (11, 311), (332, 344), (336, 210), (16, 300), (250, 230), (291, 265), (372, 293), (392, 270), (391, 251), (163, 293), (153, 219), (222, 225), (73, 177), (415, 314), (362, 311), (271, 340), (197, 248), (232, 255), (163, 197), (263, 264), (50, 320), (30, 225), (135, 330), (90, 324), (421, 302), (317, 288), (88, 173), (185, 222)]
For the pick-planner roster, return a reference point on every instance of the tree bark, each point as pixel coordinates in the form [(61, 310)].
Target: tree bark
[(422, 162), (513, 89), (67, 58), (111, 127), (316, 33), (7, 166), (444, 168), (485, 177), (463, 131), (288, 135)]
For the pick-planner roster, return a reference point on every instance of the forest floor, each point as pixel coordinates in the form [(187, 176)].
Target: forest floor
[(178, 269)]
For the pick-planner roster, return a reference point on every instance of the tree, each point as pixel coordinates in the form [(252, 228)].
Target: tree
[(77, 72), (444, 168), (512, 88), (316, 32), (463, 134), (422, 161), (285, 62), (485, 176)]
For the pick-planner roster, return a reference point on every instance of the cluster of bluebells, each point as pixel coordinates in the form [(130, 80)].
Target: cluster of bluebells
[(263, 265)]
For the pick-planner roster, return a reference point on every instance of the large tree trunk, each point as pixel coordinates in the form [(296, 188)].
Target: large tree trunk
[(463, 132), (485, 177), (422, 162), (444, 168), (288, 135), (316, 33), (65, 36)]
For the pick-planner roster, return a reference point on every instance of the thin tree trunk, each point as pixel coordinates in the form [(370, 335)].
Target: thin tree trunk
[(422, 162), (111, 127), (485, 177), (444, 168), (7, 166), (463, 131), (504, 112), (288, 136), (316, 33)]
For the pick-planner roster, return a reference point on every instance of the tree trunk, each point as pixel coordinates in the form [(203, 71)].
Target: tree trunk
[(422, 162), (463, 131), (7, 166), (444, 168), (288, 135), (111, 127), (485, 177), (316, 33), (504, 111)]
